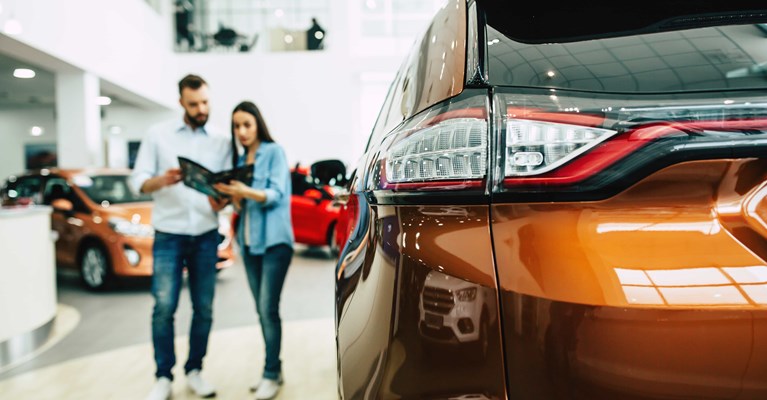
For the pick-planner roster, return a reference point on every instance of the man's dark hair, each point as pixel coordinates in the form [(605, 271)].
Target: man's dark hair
[(190, 81)]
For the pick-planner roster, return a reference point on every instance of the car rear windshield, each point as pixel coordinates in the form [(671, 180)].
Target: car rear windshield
[(700, 59), (113, 189)]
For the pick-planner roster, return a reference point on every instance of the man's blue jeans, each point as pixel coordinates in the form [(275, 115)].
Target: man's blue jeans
[(172, 253), (266, 276)]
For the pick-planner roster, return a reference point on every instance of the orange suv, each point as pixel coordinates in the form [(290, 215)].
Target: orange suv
[(104, 229), (563, 202)]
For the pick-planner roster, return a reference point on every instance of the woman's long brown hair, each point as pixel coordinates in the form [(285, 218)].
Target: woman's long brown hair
[(262, 132)]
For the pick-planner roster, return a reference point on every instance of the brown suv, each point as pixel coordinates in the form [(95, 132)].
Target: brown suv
[(104, 229), (563, 203)]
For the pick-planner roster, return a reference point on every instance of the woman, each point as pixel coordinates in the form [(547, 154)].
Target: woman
[(264, 230)]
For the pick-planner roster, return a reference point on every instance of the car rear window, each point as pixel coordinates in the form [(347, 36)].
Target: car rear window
[(700, 59)]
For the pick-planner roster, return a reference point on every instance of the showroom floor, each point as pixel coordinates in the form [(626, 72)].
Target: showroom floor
[(101, 346)]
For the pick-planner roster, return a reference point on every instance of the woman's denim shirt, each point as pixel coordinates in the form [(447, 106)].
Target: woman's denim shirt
[(269, 222)]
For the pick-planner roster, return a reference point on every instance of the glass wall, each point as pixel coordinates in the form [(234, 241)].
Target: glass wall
[(242, 25)]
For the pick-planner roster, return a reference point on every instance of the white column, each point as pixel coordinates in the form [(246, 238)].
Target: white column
[(78, 120)]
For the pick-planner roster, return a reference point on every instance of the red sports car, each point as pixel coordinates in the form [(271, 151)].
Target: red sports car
[(313, 209)]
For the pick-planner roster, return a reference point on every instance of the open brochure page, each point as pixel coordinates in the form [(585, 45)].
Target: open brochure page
[(202, 179)]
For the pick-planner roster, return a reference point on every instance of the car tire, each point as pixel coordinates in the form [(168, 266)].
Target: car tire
[(95, 269), (332, 242)]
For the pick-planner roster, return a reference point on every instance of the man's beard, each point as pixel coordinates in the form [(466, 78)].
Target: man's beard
[(195, 122)]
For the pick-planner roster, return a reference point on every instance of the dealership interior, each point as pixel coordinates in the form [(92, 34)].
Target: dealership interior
[(81, 84)]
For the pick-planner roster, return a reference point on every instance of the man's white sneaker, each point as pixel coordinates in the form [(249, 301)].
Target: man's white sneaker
[(267, 389), (161, 389), (198, 385)]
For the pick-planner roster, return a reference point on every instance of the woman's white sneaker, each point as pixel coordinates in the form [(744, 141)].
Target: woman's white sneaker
[(161, 389), (198, 385), (268, 389), (257, 383)]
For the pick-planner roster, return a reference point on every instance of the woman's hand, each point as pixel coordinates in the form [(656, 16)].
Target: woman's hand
[(233, 188), (238, 191)]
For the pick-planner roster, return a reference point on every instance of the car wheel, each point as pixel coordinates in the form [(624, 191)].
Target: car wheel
[(94, 268), (332, 240)]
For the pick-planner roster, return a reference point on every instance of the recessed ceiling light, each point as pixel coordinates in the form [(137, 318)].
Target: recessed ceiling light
[(36, 131), (24, 73), (103, 100)]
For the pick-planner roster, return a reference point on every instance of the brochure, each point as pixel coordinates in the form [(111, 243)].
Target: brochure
[(202, 179)]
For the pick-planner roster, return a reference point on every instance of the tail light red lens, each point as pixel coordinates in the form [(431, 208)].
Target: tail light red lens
[(558, 141)]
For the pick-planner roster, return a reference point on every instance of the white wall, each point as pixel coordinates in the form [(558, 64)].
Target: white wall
[(124, 42), (305, 99)]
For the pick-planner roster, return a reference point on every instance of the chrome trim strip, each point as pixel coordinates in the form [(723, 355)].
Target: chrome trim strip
[(24, 344)]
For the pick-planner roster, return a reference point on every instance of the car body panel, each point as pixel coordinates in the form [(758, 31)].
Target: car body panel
[(616, 297), (381, 358)]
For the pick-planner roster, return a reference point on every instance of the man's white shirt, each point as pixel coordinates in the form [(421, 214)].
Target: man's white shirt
[(178, 208)]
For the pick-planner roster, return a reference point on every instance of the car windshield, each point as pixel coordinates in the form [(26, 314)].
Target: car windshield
[(110, 188)]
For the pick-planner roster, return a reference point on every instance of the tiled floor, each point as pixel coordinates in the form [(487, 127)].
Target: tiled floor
[(108, 355)]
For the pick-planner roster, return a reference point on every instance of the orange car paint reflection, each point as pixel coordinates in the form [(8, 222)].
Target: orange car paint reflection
[(667, 242), (658, 292)]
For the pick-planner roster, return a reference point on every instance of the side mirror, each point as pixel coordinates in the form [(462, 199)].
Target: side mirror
[(62, 205)]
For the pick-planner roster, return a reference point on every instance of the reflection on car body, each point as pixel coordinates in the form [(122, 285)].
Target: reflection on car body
[(455, 311), (593, 182)]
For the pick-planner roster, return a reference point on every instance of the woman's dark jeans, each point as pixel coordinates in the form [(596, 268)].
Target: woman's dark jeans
[(171, 254), (266, 276)]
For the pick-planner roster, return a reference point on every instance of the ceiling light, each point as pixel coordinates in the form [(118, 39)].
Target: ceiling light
[(36, 131), (288, 39), (12, 27), (103, 100), (24, 73), (115, 129)]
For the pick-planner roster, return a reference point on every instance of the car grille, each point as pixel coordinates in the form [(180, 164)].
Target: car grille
[(436, 300)]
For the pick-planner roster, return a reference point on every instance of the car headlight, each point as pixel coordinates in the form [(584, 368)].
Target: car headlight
[(128, 228), (466, 294)]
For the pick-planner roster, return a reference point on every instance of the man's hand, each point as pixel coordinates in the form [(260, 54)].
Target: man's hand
[(217, 205), (170, 177)]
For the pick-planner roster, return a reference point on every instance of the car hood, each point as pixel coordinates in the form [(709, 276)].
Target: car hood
[(129, 211)]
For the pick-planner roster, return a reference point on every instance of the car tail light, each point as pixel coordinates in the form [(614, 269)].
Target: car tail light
[(445, 149), (534, 147), (557, 143)]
